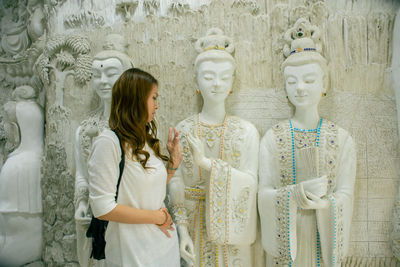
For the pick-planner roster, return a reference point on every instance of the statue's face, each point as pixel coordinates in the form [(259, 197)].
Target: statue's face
[(105, 74), (304, 84), (215, 79)]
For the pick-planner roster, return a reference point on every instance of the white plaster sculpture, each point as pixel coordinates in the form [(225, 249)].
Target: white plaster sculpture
[(107, 66), (213, 193), (307, 167), (20, 193)]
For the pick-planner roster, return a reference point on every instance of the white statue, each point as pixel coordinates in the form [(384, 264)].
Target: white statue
[(107, 66), (213, 193), (307, 168), (20, 193)]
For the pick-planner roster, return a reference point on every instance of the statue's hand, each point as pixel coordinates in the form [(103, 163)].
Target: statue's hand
[(308, 200), (197, 149), (316, 186), (315, 202), (82, 212), (186, 245)]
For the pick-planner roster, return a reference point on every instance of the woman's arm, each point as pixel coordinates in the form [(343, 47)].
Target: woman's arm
[(126, 214), (175, 151)]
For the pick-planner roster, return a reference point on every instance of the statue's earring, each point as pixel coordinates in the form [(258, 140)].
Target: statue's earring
[(323, 94), (230, 92), (197, 92)]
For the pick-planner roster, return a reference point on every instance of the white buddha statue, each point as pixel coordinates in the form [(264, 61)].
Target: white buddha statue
[(107, 66), (20, 192), (213, 193), (307, 167)]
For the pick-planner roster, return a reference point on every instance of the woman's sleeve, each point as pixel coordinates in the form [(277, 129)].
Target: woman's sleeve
[(103, 168)]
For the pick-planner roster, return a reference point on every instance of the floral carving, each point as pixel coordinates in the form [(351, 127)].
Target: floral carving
[(240, 212)]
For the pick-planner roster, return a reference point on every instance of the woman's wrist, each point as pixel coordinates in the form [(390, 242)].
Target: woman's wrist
[(172, 166), (162, 217)]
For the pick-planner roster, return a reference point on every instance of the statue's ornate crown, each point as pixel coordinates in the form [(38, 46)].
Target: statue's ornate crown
[(302, 37), (214, 40)]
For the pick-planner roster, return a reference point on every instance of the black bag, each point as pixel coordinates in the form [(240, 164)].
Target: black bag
[(97, 228)]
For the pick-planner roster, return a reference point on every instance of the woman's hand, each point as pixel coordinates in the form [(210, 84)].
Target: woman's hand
[(165, 222), (197, 149), (174, 149)]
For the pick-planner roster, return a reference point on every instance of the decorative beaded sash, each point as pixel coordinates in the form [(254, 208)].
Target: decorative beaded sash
[(195, 193)]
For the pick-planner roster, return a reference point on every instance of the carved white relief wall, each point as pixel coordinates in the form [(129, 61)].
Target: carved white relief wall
[(357, 38)]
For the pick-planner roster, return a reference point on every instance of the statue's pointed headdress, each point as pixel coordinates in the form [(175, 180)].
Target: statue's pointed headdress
[(302, 37), (214, 40), (303, 45), (214, 45)]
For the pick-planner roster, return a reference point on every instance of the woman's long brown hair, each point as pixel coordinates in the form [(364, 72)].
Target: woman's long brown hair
[(129, 115)]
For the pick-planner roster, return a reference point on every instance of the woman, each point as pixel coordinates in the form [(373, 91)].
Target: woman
[(214, 192), (307, 174), (140, 231), (107, 67)]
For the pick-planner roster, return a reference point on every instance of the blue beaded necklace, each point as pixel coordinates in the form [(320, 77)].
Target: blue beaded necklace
[(292, 129), (318, 130)]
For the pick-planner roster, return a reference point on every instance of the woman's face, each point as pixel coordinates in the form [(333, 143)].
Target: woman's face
[(152, 104), (105, 74), (304, 84), (215, 79)]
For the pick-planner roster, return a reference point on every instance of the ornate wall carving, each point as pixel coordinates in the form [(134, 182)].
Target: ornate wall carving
[(161, 34)]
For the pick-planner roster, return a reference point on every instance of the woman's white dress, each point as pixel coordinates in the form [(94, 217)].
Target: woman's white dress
[(130, 244)]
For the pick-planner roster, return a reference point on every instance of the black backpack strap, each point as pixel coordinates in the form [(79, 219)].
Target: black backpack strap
[(97, 227), (121, 164)]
